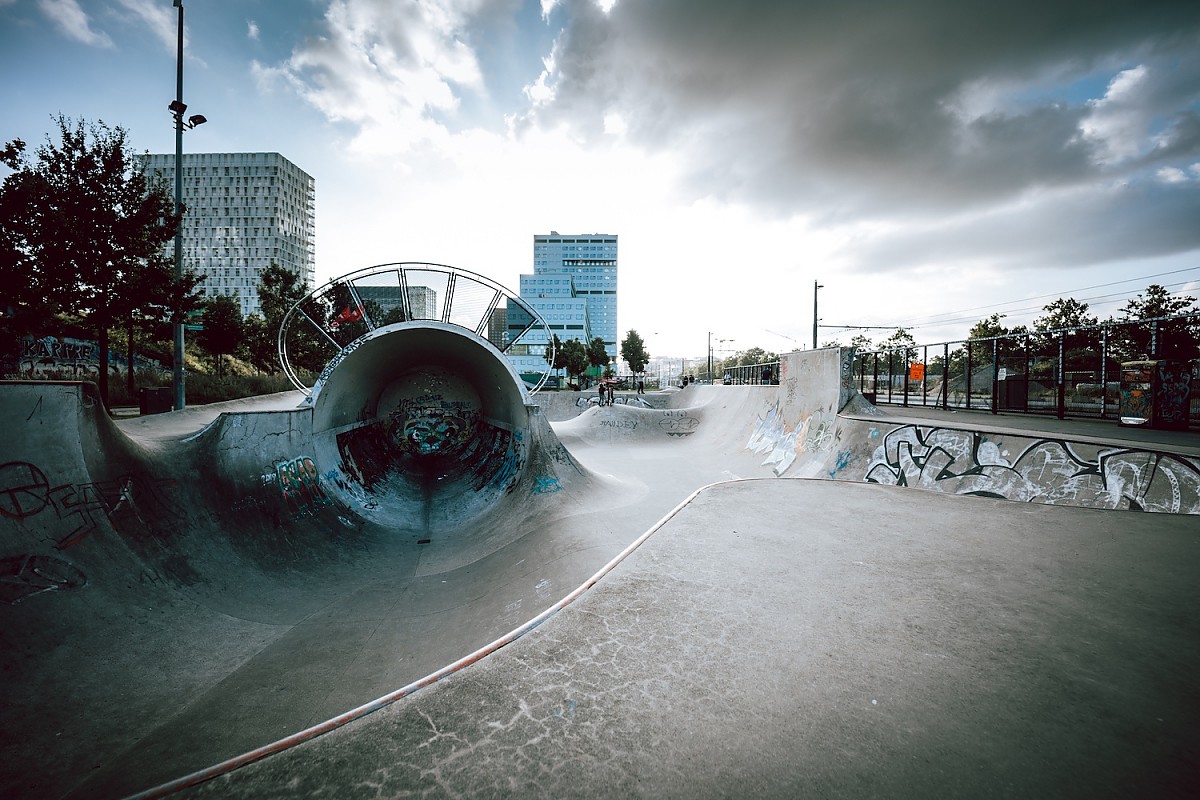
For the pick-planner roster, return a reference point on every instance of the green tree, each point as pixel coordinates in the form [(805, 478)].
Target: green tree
[(258, 345), (633, 350), (1176, 338), (575, 357), (905, 349), (1065, 313), (597, 355), (223, 329), (31, 294), (279, 290), (87, 222), (554, 355)]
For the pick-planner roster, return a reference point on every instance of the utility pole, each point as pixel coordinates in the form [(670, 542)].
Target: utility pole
[(816, 286)]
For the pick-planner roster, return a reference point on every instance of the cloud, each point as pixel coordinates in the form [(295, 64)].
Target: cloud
[(73, 22), (868, 108), (160, 18), (392, 70), (252, 30)]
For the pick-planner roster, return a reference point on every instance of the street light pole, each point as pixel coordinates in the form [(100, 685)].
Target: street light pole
[(710, 380), (816, 286), (178, 108)]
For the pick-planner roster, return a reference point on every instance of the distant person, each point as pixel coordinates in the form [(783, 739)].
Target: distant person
[(641, 387), (603, 392), (767, 375), (612, 394)]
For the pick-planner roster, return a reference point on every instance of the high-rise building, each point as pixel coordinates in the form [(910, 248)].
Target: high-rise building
[(243, 212), (574, 288), (590, 260)]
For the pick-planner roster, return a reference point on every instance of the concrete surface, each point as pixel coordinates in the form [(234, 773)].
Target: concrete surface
[(990, 650), (183, 588)]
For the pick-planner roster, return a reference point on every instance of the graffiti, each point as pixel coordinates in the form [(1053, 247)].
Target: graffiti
[(1174, 390), (843, 459), (678, 423), (510, 465), (822, 432), (773, 436), (430, 424), (300, 485), (26, 492), (79, 357), (27, 575), (620, 400), (545, 485), (1046, 471), (620, 424)]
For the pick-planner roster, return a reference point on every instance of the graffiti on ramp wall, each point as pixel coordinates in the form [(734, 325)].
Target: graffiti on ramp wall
[(1046, 471)]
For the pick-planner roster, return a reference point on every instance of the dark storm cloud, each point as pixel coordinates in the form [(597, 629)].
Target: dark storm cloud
[(857, 110)]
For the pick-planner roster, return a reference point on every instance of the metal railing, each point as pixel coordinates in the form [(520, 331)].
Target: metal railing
[(330, 318), (745, 374), (1073, 371)]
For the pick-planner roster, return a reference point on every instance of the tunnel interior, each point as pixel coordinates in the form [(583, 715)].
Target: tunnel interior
[(419, 426)]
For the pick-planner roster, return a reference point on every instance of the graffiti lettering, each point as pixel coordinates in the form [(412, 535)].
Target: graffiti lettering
[(1046, 471), (27, 575), (300, 485)]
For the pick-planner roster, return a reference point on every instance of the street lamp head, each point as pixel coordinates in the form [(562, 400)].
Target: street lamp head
[(177, 4), (177, 107), (196, 119)]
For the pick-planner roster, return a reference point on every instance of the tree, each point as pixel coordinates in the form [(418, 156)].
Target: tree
[(1065, 313), (575, 357), (223, 328), (1175, 339), (903, 342), (31, 293), (279, 290), (258, 345), (554, 355), (597, 354), (85, 219), (634, 351)]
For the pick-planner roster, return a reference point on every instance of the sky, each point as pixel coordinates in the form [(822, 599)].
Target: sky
[(927, 163)]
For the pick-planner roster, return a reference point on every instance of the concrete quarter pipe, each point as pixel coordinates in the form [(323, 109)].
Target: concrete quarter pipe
[(176, 594)]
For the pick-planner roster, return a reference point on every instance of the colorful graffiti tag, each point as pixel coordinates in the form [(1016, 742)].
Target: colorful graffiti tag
[(300, 485)]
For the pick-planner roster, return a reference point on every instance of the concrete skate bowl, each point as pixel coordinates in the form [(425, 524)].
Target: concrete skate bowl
[(176, 597)]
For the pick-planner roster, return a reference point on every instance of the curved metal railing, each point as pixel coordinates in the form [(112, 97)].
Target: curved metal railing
[(328, 319)]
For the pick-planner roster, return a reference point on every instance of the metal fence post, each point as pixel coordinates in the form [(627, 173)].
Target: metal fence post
[(946, 375), (995, 376), (1062, 375), (1104, 373)]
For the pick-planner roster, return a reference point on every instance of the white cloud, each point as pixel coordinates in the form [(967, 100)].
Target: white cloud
[(73, 22), (1118, 123), (388, 69), (161, 19), (252, 29)]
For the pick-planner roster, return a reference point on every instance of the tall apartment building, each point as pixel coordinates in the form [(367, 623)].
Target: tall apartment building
[(574, 288), (243, 212), (590, 260)]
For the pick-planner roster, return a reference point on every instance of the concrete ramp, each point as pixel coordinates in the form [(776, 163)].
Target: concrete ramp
[(815, 425), (182, 589), (171, 599)]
